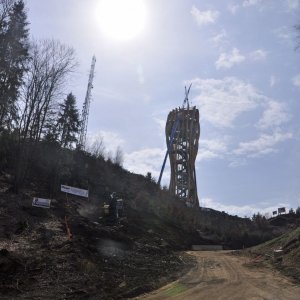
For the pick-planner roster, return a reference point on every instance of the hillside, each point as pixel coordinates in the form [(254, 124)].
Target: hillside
[(287, 258), (101, 261), (38, 260)]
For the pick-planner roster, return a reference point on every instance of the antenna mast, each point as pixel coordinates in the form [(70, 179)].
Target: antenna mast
[(86, 107)]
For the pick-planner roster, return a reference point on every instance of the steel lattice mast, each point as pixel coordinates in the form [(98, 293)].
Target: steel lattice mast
[(86, 107)]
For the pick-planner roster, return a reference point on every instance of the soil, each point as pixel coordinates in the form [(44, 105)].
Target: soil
[(223, 275), (120, 260)]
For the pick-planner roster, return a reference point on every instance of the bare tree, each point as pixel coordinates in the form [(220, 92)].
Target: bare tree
[(97, 147), (109, 156), (119, 157), (50, 65), (48, 71)]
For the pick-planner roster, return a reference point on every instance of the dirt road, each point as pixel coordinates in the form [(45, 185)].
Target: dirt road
[(221, 275)]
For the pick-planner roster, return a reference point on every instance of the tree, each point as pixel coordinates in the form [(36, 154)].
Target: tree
[(260, 220), (149, 176), (119, 157), (48, 69), (291, 211), (97, 147), (165, 188), (50, 65), (68, 122), (14, 54)]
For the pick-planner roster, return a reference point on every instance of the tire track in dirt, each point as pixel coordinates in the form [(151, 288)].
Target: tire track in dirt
[(221, 275)]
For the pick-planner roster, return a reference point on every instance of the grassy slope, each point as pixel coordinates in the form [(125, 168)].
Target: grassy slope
[(290, 244)]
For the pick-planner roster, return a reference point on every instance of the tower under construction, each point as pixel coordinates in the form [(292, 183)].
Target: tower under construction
[(182, 137), (183, 152)]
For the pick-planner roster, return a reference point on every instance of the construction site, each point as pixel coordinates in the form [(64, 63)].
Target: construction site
[(73, 249), (106, 233), (123, 236), (80, 218)]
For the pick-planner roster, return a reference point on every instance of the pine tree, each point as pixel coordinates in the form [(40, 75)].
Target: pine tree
[(14, 48), (68, 122)]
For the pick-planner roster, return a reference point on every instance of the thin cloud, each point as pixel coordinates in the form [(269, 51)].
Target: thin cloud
[(140, 73), (161, 125), (285, 35), (145, 160), (258, 54), (265, 144), (212, 148), (220, 39), (204, 17), (296, 80), (221, 101), (248, 3), (292, 4), (274, 115), (233, 8), (273, 80), (228, 60), (104, 93), (235, 162)]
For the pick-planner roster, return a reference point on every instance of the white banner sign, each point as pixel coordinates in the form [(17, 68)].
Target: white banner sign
[(40, 202), (75, 191)]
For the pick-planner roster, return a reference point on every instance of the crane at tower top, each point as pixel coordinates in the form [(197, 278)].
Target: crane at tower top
[(86, 107), (186, 99)]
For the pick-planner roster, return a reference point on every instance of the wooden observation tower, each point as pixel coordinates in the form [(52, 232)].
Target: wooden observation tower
[(183, 152), (182, 137)]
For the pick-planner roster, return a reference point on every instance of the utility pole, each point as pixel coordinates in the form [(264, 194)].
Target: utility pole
[(86, 107)]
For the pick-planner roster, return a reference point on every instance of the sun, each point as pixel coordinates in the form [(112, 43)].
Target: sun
[(121, 19)]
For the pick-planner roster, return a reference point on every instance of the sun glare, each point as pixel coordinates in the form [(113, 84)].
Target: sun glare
[(122, 19)]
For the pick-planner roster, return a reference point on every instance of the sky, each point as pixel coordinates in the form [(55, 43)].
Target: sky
[(241, 59)]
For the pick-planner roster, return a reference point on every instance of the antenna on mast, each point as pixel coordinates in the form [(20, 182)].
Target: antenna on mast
[(86, 107)]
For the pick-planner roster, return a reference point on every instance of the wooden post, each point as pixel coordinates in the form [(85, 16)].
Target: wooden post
[(68, 229)]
